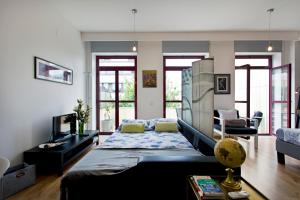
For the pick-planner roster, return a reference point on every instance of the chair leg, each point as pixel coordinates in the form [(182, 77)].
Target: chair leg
[(256, 141), (222, 135), (280, 158)]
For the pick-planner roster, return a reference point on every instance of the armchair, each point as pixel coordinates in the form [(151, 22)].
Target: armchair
[(257, 115), (221, 128)]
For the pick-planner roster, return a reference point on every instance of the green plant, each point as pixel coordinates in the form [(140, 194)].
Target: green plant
[(128, 93), (107, 108), (81, 113)]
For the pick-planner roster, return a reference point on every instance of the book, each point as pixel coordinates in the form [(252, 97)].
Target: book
[(208, 187), (197, 188)]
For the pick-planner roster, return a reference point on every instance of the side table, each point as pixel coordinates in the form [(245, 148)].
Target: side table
[(254, 194)]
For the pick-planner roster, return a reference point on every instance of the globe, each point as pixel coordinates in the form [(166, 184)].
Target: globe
[(230, 153)]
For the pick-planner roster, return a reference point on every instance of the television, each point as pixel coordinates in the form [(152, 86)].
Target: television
[(63, 126)]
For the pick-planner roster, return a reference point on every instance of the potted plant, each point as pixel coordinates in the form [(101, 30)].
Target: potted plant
[(107, 122), (82, 115)]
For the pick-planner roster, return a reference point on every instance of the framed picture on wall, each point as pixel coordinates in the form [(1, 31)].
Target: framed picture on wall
[(149, 79), (49, 71), (222, 83)]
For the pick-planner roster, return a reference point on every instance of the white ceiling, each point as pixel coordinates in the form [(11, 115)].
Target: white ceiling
[(180, 15)]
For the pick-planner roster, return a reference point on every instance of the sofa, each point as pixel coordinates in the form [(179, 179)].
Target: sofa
[(154, 177)]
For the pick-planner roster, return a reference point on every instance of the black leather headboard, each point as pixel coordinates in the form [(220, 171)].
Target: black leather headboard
[(199, 140)]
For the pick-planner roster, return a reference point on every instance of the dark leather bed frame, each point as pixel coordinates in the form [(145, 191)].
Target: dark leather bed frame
[(154, 177)]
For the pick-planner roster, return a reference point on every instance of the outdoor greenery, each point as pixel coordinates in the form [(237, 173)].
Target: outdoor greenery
[(172, 93), (128, 93)]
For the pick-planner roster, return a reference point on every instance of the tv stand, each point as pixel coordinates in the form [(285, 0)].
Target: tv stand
[(56, 158)]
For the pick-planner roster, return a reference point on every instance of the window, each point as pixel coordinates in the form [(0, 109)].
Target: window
[(173, 66), (116, 91)]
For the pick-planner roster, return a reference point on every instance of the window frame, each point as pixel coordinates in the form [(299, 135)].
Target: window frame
[(174, 68), (116, 69)]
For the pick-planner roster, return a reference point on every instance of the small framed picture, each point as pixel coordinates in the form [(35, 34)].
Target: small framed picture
[(149, 79), (49, 71), (222, 83)]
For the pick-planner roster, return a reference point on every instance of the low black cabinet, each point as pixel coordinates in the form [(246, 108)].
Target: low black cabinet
[(56, 158)]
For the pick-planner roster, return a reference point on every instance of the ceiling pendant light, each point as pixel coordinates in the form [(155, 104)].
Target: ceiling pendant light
[(134, 11), (134, 47), (270, 47)]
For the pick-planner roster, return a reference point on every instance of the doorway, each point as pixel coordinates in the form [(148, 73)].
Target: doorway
[(252, 87), (116, 91), (261, 87)]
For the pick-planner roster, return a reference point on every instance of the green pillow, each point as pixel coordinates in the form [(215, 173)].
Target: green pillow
[(133, 128), (166, 127)]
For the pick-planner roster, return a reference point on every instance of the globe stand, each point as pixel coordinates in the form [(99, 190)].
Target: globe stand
[(229, 183)]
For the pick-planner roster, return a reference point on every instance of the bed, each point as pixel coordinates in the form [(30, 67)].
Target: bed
[(142, 166)]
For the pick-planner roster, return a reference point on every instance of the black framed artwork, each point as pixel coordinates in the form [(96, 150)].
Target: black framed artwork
[(222, 83), (49, 71)]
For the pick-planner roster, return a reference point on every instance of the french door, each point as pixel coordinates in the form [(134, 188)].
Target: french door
[(280, 101), (252, 87), (116, 95)]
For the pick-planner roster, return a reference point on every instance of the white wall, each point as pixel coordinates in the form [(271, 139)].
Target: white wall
[(150, 100), (27, 29), (223, 54), (288, 56), (297, 71)]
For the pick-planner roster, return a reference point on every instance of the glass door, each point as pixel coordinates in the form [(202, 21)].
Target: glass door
[(107, 100), (116, 91), (252, 87), (259, 95), (280, 104), (126, 101)]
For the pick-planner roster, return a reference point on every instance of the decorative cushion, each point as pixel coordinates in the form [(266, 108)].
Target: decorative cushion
[(166, 127), (135, 121), (235, 122), (133, 128), (227, 114), (152, 122)]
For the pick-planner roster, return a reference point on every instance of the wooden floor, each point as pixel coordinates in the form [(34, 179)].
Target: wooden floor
[(260, 169), (274, 180)]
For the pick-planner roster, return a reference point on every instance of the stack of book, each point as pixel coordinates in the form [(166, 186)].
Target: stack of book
[(207, 188)]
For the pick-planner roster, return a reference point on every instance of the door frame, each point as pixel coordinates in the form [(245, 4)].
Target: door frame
[(116, 101)]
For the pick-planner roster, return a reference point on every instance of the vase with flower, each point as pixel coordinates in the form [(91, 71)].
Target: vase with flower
[(82, 115)]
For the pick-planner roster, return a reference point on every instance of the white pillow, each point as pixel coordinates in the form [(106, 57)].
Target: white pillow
[(227, 114)]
